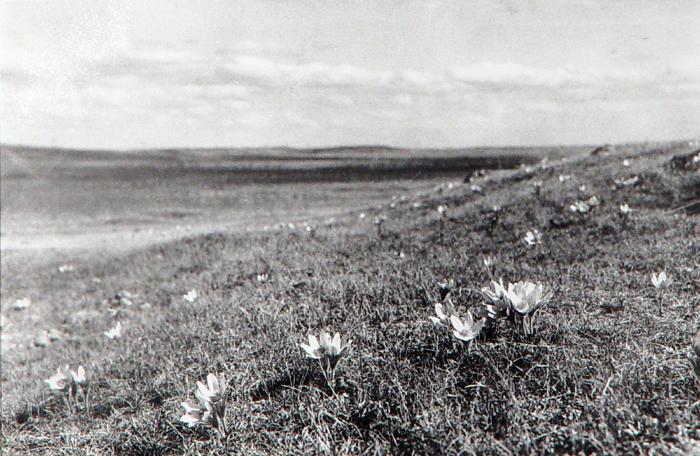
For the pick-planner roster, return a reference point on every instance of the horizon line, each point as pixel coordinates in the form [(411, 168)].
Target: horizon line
[(342, 146)]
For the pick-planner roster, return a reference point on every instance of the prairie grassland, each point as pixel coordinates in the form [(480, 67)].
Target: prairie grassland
[(73, 199), (607, 369)]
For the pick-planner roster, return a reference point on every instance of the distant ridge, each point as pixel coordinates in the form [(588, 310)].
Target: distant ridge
[(311, 150), (362, 149)]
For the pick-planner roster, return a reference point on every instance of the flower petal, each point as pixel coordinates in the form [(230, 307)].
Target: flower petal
[(213, 383), (313, 342), (456, 323), (189, 420)]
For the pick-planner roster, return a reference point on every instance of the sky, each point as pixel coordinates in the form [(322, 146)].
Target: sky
[(307, 73)]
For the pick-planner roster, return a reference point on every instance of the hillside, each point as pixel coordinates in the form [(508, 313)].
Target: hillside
[(607, 369)]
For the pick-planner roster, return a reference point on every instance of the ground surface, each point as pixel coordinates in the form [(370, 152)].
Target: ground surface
[(607, 369)]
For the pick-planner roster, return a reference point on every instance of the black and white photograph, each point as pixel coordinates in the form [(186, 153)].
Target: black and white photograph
[(316, 227)]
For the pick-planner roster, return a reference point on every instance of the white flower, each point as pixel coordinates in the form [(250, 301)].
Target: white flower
[(362, 215), (533, 237), (476, 189), (526, 297), (313, 349), (416, 205), (496, 292), (79, 377), (325, 348), (582, 188), (661, 280), (579, 206), (593, 201), (65, 268), (496, 208), (379, 220), (627, 182), (564, 177), (213, 391), (537, 183), (498, 308), (443, 311), (21, 304), (442, 210), (466, 330), (625, 209), (191, 296), (59, 381), (489, 261), (333, 347), (625, 163), (115, 332), (521, 302), (262, 278), (194, 414)]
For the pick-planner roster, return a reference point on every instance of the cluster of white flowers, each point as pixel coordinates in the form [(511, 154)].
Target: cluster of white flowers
[(262, 277), (446, 317), (65, 268), (191, 296), (70, 385), (211, 409), (579, 206), (533, 237), (519, 302), (584, 206)]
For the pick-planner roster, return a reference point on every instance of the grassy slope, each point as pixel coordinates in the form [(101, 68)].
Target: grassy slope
[(587, 380)]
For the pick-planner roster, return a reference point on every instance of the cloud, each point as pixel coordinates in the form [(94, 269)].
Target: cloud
[(322, 74), (251, 93), (403, 99)]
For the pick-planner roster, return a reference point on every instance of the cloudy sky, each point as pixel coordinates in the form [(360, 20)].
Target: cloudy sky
[(308, 73)]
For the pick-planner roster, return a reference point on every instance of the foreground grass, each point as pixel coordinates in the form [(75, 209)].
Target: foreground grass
[(606, 371)]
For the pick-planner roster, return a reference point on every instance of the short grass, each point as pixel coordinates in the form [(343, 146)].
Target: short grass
[(607, 370)]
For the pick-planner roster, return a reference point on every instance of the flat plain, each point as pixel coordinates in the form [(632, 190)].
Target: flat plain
[(282, 243)]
